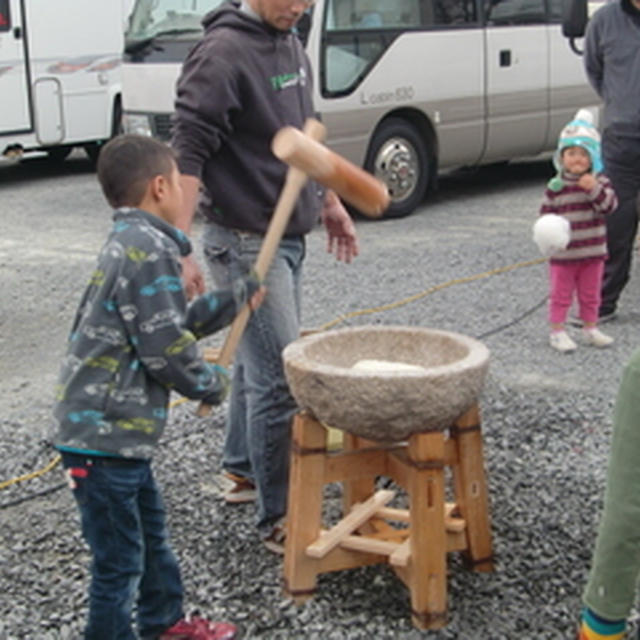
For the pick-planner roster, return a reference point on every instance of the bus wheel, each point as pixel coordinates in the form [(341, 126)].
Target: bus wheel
[(398, 156), (93, 151), (58, 154)]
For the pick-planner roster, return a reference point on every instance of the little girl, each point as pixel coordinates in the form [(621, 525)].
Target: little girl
[(583, 196)]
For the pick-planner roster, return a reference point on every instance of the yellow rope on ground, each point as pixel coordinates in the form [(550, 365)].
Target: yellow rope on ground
[(422, 294), (32, 475), (324, 327)]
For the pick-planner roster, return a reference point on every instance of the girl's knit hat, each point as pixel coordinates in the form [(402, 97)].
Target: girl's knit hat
[(580, 132)]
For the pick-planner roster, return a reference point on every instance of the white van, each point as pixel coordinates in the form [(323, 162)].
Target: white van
[(407, 88), (60, 66)]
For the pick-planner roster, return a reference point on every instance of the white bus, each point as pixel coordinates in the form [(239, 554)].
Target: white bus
[(60, 63), (407, 88)]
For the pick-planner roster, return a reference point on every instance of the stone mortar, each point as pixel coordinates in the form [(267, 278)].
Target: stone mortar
[(387, 406)]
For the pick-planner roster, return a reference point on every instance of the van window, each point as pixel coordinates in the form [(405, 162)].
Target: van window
[(357, 33), (5, 18), (510, 12)]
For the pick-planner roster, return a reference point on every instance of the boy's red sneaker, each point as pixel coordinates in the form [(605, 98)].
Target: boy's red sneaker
[(196, 628)]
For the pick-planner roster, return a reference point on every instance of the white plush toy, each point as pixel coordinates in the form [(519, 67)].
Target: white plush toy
[(551, 233)]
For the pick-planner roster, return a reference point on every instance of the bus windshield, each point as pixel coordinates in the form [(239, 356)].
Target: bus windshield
[(151, 18)]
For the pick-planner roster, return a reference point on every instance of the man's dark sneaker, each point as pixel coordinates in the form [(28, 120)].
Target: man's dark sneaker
[(603, 318), (196, 628), (607, 316)]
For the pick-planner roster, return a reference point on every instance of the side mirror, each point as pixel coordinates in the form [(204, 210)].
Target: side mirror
[(574, 21)]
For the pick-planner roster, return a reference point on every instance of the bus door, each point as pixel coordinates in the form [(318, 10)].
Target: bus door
[(517, 80), (15, 114)]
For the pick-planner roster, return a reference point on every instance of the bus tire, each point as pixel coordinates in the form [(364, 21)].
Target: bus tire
[(92, 149), (58, 154), (399, 157)]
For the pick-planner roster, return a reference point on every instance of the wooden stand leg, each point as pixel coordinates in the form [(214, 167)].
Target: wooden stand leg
[(428, 570), (359, 490), (471, 490), (304, 513)]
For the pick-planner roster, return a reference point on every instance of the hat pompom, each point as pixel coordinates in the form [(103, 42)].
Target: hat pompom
[(551, 233), (584, 115)]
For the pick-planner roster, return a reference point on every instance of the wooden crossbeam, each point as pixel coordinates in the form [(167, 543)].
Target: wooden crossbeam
[(453, 523), (358, 516)]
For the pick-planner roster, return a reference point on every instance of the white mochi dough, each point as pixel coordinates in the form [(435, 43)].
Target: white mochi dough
[(386, 366)]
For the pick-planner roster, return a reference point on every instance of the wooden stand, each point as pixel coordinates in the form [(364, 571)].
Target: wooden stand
[(417, 544)]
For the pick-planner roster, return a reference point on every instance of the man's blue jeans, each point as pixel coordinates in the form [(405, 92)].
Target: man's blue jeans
[(258, 435), (123, 522)]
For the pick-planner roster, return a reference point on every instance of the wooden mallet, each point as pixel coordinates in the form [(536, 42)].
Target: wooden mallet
[(354, 185), (306, 157)]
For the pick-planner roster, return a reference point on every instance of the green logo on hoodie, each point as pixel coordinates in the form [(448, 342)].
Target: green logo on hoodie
[(286, 80)]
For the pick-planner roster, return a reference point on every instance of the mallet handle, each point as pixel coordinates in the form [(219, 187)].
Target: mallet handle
[(293, 184), (354, 185)]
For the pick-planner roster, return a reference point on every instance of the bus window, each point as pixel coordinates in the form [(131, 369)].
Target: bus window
[(510, 12), (357, 33), (5, 18)]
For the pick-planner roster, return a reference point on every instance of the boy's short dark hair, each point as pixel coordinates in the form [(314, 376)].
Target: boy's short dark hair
[(127, 163)]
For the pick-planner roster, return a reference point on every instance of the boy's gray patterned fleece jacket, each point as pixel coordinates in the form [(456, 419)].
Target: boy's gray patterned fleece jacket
[(134, 339)]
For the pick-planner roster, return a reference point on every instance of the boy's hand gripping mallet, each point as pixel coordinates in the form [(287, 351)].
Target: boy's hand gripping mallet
[(306, 157)]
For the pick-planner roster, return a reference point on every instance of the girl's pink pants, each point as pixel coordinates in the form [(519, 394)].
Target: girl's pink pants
[(585, 278)]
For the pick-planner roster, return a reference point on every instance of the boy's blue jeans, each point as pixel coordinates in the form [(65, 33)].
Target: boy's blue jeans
[(258, 435), (123, 522)]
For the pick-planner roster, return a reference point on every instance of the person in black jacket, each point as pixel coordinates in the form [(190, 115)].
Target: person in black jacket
[(248, 77), (613, 68), (132, 342)]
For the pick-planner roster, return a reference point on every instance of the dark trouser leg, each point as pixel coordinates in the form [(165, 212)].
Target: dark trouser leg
[(108, 501), (160, 601), (622, 166)]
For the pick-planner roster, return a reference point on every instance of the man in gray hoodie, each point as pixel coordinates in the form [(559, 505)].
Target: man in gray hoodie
[(248, 77), (612, 62)]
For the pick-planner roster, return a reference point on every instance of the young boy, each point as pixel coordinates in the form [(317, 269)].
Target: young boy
[(133, 340), (584, 196)]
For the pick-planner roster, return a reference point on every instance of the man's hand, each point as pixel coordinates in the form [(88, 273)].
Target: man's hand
[(587, 181), (342, 240), (192, 278)]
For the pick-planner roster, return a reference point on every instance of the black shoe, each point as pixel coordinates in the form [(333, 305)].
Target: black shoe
[(607, 316)]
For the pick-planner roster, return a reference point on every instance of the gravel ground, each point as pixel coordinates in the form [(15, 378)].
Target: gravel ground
[(546, 421)]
